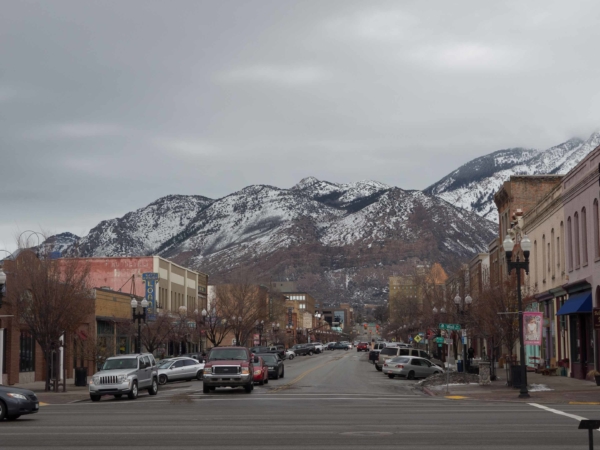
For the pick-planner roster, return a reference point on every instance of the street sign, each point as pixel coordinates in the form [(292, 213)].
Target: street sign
[(417, 338), (449, 326), (448, 341), (150, 276), (439, 340), (421, 333)]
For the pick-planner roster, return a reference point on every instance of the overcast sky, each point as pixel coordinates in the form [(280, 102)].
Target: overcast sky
[(106, 106)]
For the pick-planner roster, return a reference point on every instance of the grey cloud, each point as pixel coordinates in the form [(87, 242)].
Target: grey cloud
[(105, 106)]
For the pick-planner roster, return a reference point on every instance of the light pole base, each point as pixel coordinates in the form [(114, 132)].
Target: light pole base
[(524, 395)]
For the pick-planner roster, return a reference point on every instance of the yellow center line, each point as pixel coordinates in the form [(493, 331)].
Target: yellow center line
[(44, 404), (584, 403), (302, 375), (455, 397)]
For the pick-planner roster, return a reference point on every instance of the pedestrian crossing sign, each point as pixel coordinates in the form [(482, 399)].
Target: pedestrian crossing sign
[(417, 338)]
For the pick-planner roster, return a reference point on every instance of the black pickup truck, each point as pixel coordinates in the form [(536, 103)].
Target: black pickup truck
[(303, 349)]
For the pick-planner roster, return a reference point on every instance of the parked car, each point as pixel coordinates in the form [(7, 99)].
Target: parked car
[(390, 352), (16, 402), (228, 367), (125, 374), (349, 344), (410, 367), (362, 347), (275, 364), (176, 369), (315, 348), (290, 354), (303, 349), (261, 370), (279, 349), (340, 346), (318, 347), (197, 356)]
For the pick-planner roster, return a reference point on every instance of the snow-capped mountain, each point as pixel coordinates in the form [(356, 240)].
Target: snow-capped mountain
[(473, 185), (364, 231)]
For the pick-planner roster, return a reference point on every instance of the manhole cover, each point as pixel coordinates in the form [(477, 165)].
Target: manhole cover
[(367, 433)]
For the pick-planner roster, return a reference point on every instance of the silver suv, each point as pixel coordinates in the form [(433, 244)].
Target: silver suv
[(125, 374), (391, 352)]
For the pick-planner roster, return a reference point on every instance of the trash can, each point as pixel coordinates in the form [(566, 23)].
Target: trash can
[(459, 366), (81, 376), (515, 374)]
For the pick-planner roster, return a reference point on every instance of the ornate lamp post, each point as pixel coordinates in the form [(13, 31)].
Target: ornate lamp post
[(275, 331), (139, 317), (462, 310), (519, 265)]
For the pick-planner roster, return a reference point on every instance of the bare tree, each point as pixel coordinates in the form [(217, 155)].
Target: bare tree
[(52, 297), (216, 325), (156, 332)]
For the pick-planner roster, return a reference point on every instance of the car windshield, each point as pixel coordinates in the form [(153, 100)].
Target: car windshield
[(297, 346), (269, 359), (120, 363), (164, 364), (400, 359), (228, 353)]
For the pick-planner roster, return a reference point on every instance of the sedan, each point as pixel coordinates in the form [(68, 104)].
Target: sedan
[(339, 346), (15, 402), (410, 367), (275, 364), (176, 369), (261, 370), (289, 354)]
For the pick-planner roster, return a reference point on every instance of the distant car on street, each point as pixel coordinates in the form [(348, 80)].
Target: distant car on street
[(228, 367), (261, 371), (16, 402), (275, 365), (289, 354), (177, 369), (410, 367), (362, 347), (303, 349), (340, 346)]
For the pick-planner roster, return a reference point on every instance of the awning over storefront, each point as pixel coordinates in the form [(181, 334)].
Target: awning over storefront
[(577, 304)]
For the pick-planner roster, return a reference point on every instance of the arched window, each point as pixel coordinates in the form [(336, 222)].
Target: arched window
[(570, 243), (577, 241), (560, 240), (553, 262), (596, 230), (535, 262), (543, 266), (584, 240)]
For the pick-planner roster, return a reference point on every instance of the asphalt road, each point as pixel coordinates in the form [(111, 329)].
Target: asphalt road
[(332, 401)]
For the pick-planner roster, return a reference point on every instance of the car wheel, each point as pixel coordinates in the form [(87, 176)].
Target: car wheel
[(118, 395), (13, 417), (133, 394), (282, 372), (248, 388), (205, 389), (310, 353), (436, 372), (261, 382), (2, 410), (378, 368), (291, 357), (94, 398), (411, 375), (162, 379), (199, 375), (267, 380), (153, 390), (391, 375)]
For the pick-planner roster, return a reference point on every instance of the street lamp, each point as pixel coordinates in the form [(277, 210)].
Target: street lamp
[(259, 327), (461, 308), (139, 317), (519, 265)]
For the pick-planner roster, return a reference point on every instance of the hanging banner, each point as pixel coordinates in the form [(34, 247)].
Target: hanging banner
[(532, 327), (150, 280)]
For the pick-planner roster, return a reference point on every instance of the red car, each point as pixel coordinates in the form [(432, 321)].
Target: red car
[(261, 371), (362, 347)]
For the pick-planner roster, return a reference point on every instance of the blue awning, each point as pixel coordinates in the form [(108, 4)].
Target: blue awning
[(577, 304)]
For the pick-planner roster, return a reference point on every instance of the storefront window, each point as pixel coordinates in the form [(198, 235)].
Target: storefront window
[(27, 352), (574, 337)]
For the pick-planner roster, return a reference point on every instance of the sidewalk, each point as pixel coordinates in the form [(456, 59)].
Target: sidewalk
[(542, 389)]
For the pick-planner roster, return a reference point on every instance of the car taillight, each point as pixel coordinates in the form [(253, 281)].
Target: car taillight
[(399, 366)]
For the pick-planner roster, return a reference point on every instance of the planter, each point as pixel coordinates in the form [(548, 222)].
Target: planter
[(597, 377)]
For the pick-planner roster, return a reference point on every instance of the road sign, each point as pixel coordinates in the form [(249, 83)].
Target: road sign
[(439, 340), (448, 341), (417, 338), (421, 333), (449, 326), (150, 276)]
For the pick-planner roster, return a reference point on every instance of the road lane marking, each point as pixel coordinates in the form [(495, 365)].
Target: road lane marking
[(559, 412), (455, 397), (584, 403), (44, 404)]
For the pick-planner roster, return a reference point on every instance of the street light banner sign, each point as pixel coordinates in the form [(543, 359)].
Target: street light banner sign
[(150, 293), (532, 327)]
